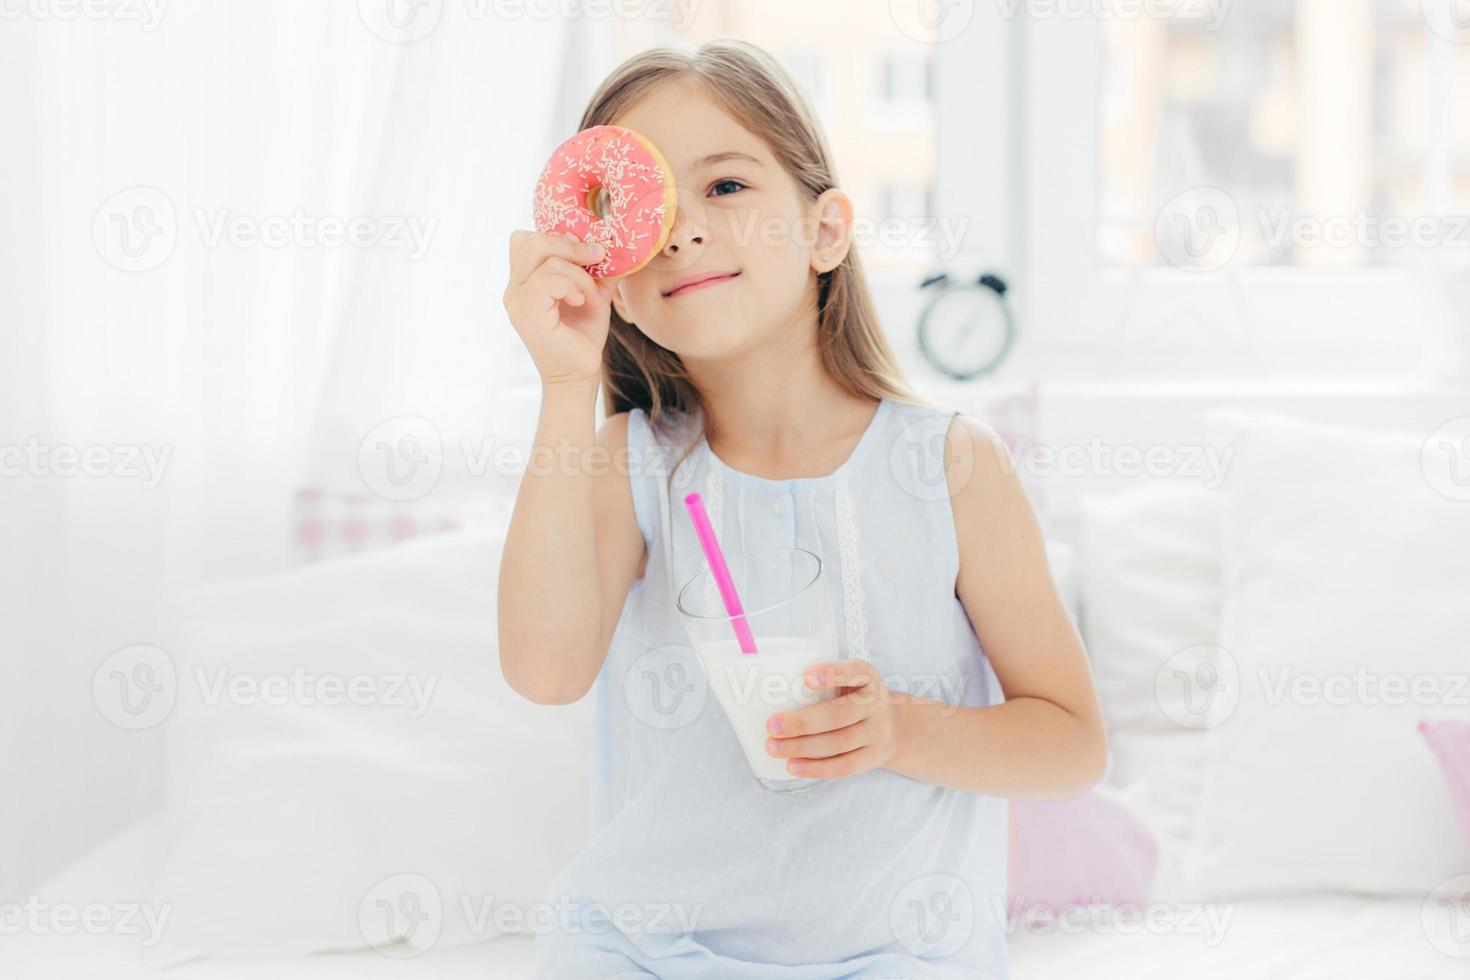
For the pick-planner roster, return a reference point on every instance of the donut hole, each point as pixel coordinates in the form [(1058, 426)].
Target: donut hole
[(599, 203)]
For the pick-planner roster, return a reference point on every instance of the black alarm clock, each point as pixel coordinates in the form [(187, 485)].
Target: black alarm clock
[(967, 328)]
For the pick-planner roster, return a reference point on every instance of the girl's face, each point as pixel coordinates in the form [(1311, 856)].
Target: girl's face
[(742, 220)]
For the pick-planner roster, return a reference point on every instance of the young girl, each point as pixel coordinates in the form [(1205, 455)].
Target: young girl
[(746, 362)]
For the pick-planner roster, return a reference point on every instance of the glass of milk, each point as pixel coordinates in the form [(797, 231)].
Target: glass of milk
[(784, 594)]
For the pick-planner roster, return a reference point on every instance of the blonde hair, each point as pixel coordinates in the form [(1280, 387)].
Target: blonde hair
[(758, 92)]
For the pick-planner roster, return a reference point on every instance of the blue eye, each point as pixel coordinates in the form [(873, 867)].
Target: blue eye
[(726, 183)]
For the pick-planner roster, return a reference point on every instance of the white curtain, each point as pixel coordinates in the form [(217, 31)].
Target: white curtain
[(242, 370)]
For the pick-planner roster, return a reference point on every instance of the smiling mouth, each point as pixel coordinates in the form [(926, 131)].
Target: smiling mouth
[(712, 281)]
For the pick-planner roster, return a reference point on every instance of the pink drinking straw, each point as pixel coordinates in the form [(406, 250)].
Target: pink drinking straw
[(717, 567)]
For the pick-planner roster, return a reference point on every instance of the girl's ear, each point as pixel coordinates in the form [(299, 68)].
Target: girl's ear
[(834, 219)]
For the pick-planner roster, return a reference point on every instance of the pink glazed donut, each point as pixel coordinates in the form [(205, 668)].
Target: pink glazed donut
[(611, 186)]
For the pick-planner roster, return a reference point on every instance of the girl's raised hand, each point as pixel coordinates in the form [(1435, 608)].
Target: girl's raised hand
[(561, 313)]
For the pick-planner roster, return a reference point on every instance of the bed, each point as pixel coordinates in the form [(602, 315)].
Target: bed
[(1339, 937)]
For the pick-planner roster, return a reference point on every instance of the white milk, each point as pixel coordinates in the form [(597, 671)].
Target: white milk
[(753, 686)]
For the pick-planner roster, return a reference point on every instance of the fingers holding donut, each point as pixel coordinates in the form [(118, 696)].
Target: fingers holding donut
[(562, 281), (561, 313), (529, 249)]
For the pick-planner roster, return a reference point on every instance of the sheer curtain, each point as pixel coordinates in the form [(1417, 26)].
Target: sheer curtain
[(239, 236)]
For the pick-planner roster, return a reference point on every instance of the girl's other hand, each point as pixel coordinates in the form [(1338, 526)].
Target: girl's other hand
[(850, 734), (561, 313)]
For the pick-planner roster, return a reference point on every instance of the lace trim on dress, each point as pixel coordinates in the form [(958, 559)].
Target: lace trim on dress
[(853, 600)]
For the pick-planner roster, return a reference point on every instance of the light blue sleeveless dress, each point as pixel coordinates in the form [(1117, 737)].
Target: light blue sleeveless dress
[(694, 869)]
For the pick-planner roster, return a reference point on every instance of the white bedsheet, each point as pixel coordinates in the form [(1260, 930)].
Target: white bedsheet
[(1308, 938)]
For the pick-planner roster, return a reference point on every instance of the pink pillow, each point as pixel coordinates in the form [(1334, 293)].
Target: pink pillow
[(1091, 850), (1450, 742)]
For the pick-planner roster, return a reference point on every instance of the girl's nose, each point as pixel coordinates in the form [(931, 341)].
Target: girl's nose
[(682, 239), (688, 231)]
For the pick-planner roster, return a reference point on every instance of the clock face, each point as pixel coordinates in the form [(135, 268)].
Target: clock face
[(966, 330)]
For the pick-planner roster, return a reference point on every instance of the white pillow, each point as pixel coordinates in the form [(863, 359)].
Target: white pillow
[(304, 826), (1148, 575), (1338, 556)]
